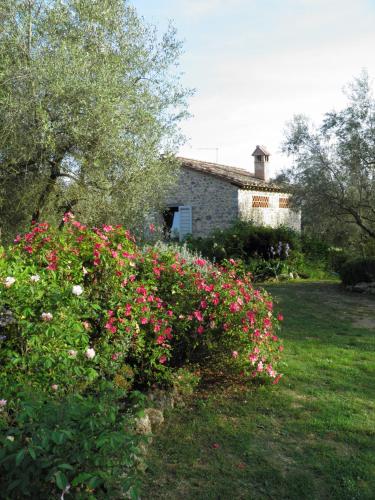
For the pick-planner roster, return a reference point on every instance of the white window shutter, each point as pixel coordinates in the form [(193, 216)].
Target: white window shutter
[(185, 221)]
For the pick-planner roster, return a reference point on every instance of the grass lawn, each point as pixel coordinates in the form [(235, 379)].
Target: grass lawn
[(312, 436)]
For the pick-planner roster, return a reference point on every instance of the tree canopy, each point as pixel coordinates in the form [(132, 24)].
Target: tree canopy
[(89, 98), (333, 168)]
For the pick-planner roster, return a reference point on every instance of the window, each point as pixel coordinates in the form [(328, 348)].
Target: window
[(177, 222), (261, 202), (284, 202), (259, 157)]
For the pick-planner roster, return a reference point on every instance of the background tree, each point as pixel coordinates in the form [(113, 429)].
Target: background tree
[(89, 98), (333, 170)]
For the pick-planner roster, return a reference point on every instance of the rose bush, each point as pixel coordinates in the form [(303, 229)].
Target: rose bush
[(80, 305)]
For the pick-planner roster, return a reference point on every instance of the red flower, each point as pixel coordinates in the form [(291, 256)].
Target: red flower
[(152, 228), (280, 317), (163, 359)]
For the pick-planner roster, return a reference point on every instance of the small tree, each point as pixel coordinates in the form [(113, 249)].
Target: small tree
[(88, 101), (333, 172)]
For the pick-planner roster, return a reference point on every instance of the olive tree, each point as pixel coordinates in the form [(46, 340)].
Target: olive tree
[(90, 96), (333, 169)]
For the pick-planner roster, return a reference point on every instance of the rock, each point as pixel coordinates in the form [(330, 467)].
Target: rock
[(156, 418), (143, 425), (161, 399)]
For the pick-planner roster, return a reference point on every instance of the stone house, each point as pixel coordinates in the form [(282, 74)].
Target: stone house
[(211, 196)]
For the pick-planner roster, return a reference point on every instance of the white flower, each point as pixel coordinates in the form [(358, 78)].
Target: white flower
[(46, 316), (9, 280), (77, 290), (3, 403), (10, 438), (90, 353), (35, 278), (72, 353)]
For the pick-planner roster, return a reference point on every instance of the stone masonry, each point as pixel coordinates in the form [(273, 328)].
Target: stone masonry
[(214, 201)]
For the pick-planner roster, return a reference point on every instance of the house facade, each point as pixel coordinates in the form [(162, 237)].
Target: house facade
[(211, 196)]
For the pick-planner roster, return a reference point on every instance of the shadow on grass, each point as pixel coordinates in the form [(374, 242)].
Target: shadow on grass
[(310, 437)]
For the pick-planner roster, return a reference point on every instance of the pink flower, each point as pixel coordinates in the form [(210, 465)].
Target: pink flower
[(260, 366), (110, 327), (253, 357), (198, 315), (54, 387), (3, 403), (266, 323), (277, 379), (234, 354), (107, 229), (144, 321), (72, 353), (281, 348), (152, 228), (163, 359), (200, 262), (200, 329), (234, 307), (280, 317), (68, 216)]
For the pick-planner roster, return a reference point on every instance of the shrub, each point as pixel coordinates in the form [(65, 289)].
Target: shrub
[(83, 305), (244, 240), (55, 446), (357, 271)]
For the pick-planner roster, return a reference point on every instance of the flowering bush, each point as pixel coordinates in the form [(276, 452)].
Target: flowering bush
[(80, 305)]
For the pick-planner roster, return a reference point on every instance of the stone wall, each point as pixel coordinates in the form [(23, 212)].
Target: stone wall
[(214, 201), (273, 215)]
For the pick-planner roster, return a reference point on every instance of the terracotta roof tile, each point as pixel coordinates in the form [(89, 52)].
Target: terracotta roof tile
[(234, 175)]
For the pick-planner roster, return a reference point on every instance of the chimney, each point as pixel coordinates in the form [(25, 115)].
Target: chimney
[(261, 163)]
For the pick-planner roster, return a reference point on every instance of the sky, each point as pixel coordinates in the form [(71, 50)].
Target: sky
[(256, 63)]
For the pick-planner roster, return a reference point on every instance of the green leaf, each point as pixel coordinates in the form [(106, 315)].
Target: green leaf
[(66, 467), (61, 480), (20, 456), (81, 478), (32, 453), (57, 437), (94, 482)]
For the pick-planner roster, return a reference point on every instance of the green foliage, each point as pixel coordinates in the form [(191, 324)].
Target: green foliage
[(73, 445), (357, 271), (244, 240), (89, 97), (268, 253), (332, 176), (185, 381)]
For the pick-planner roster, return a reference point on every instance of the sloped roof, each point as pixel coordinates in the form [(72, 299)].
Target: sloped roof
[(237, 176), (261, 150)]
